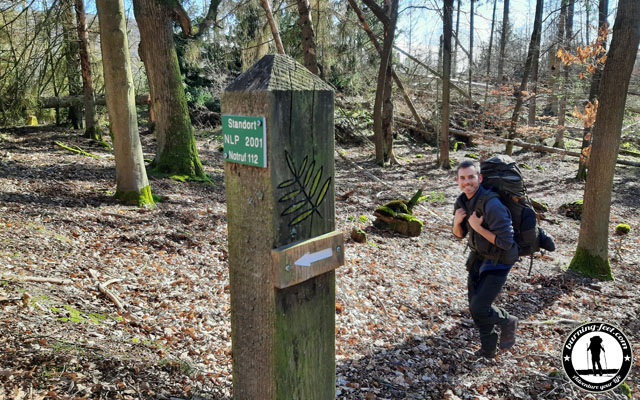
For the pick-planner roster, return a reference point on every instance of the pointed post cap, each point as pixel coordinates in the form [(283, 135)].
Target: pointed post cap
[(278, 72)]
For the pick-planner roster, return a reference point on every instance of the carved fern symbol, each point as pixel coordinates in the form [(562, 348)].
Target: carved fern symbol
[(304, 186)]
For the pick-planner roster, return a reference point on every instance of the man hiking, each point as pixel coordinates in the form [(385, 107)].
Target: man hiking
[(481, 215)]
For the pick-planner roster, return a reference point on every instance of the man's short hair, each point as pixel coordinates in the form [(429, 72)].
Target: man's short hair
[(467, 164)]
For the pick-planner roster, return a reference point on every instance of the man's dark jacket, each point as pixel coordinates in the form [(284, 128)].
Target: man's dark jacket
[(497, 219)]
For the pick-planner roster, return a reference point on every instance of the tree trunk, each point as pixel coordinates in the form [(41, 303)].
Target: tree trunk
[(308, 36), (323, 29), (556, 65), (395, 77), (257, 42), (534, 90), (447, 12), (556, 68), (131, 177), (71, 52), (454, 66), (387, 116), (534, 79), (176, 152), (440, 69), (592, 254), (562, 104), (586, 24), (91, 128), (387, 103), (54, 84), (535, 70), (274, 27), (470, 49), (388, 17), (488, 77), (537, 25), (503, 44), (603, 26)]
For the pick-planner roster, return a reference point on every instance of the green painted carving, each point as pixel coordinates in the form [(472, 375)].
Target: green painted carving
[(301, 190)]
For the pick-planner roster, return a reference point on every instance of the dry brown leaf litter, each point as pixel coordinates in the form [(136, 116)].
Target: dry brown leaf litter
[(402, 326)]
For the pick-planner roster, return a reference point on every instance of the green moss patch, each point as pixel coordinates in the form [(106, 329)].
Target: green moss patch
[(144, 198), (625, 390), (590, 265), (395, 206), (408, 218), (396, 215), (180, 178), (623, 229)]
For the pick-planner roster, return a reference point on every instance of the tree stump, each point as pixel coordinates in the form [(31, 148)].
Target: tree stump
[(397, 216)]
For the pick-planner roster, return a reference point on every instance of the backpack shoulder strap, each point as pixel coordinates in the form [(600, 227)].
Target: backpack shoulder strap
[(484, 199)]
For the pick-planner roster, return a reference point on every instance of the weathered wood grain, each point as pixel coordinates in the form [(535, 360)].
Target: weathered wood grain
[(283, 340), (328, 248)]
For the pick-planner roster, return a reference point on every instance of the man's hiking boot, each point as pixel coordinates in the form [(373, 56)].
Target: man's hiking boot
[(482, 353), (508, 333)]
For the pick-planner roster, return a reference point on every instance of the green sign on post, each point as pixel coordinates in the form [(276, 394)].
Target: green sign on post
[(245, 140), (283, 245)]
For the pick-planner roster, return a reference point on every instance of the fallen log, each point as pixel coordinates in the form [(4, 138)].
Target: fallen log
[(574, 129), (76, 149), (537, 147), (524, 145), (69, 101), (630, 153)]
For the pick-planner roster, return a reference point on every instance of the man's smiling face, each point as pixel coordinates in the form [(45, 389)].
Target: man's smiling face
[(469, 180)]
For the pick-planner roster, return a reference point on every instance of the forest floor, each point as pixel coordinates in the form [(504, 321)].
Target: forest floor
[(403, 330)]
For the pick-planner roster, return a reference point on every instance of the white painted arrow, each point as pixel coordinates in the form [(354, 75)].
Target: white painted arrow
[(309, 258)]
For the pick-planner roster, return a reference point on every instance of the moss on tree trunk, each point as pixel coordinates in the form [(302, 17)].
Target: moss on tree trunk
[(179, 155), (176, 152), (143, 198), (591, 265), (131, 177)]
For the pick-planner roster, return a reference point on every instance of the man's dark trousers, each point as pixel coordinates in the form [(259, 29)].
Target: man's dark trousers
[(483, 288)]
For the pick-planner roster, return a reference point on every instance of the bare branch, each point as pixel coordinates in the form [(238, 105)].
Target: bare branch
[(377, 11), (209, 20)]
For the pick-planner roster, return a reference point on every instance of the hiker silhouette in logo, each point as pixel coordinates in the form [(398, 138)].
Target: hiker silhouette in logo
[(595, 346)]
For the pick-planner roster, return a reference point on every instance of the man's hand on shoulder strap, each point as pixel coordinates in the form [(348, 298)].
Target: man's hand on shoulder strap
[(475, 221), (458, 219), (476, 225)]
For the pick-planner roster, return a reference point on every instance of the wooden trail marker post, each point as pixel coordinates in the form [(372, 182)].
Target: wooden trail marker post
[(279, 177)]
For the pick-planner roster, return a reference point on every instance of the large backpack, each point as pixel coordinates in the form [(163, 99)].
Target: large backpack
[(501, 176)]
